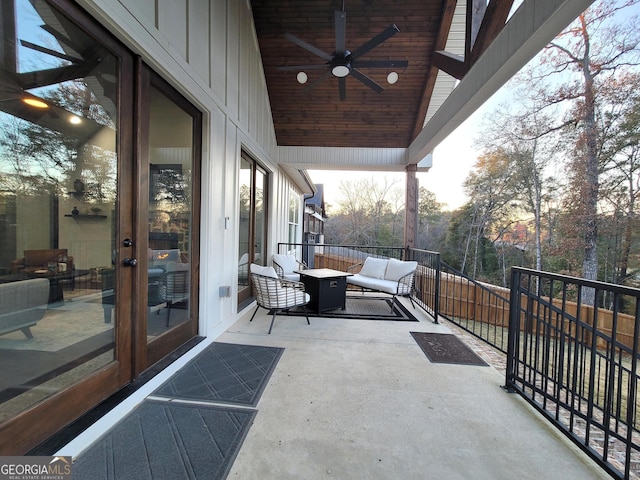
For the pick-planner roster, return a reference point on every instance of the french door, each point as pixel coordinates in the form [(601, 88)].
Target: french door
[(252, 222), (98, 218)]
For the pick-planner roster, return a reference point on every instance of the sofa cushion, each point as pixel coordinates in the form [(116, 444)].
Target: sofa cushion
[(374, 267), (266, 271), (387, 286), (398, 269)]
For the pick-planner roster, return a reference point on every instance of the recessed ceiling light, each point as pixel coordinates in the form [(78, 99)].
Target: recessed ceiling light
[(75, 119), (302, 77), (34, 102), (392, 78)]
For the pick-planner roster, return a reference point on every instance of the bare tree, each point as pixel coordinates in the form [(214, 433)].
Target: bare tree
[(580, 59), (369, 209), (621, 163), (529, 139)]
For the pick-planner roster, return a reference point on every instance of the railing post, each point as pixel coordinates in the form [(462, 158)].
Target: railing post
[(436, 294), (513, 329)]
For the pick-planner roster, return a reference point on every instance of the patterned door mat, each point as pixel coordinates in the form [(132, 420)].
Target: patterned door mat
[(224, 373), (166, 440), (446, 348)]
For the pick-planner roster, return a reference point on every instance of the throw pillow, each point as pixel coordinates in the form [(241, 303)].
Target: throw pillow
[(287, 262), (398, 269), (374, 267)]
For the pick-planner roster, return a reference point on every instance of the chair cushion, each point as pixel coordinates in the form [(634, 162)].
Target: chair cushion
[(290, 297), (266, 271), (292, 277), (374, 267), (398, 269), (287, 262)]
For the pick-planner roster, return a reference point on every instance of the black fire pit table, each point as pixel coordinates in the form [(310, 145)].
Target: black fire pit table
[(327, 288)]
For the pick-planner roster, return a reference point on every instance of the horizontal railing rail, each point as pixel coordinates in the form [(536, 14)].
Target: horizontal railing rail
[(338, 257), (577, 363)]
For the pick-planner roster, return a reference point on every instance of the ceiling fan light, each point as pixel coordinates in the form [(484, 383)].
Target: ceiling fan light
[(340, 71), (392, 78), (302, 77)]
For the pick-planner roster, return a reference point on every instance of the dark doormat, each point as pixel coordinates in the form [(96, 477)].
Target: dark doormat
[(363, 308), (224, 373), (168, 440), (446, 348)]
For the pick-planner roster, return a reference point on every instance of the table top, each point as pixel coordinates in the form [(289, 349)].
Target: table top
[(323, 273)]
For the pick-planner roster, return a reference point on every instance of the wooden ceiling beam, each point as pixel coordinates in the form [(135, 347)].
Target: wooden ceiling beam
[(484, 23), (450, 63), (493, 21)]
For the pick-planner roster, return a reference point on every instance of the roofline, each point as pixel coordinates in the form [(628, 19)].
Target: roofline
[(532, 26)]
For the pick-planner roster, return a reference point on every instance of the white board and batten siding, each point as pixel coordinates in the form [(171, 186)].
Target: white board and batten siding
[(209, 51)]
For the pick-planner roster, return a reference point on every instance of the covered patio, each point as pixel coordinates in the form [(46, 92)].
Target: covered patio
[(359, 399)]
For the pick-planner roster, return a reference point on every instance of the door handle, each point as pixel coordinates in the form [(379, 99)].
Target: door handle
[(130, 262)]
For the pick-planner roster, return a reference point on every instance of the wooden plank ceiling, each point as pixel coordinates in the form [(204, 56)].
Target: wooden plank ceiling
[(316, 116)]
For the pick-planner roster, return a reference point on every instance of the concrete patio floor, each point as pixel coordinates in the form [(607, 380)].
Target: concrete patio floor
[(358, 399)]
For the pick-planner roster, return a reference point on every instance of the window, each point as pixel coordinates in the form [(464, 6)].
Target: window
[(294, 216)]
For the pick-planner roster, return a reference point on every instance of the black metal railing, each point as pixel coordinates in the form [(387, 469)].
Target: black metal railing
[(577, 363)]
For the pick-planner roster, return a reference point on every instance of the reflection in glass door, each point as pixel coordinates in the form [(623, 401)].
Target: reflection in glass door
[(59, 118), (252, 222), (172, 153)]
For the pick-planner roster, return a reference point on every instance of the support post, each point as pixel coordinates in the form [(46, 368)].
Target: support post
[(411, 207)]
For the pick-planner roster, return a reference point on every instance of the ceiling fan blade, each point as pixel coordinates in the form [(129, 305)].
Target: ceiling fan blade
[(366, 80), (288, 68), (317, 81), (341, 28), (307, 46), (381, 63), (389, 32), (342, 89)]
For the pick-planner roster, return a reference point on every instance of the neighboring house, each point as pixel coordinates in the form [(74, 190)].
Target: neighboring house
[(143, 169), (314, 216)]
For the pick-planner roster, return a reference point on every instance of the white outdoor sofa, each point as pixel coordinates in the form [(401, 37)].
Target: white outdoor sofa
[(391, 276)]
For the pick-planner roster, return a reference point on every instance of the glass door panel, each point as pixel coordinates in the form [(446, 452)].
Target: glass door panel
[(252, 223), (171, 157), (58, 190)]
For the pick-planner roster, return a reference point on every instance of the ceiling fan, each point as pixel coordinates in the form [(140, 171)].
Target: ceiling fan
[(343, 62)]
